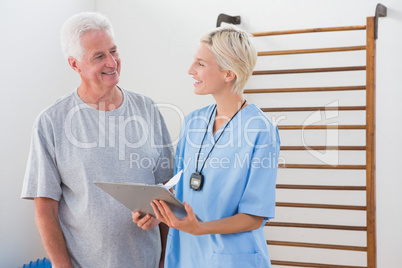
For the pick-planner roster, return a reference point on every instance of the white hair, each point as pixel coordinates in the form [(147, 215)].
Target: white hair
[(76, 26), (234, 51)]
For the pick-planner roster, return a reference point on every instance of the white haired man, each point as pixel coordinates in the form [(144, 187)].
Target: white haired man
[(98, 132)]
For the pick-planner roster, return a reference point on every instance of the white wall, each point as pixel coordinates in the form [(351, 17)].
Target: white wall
[(389, 143), (157, 40), (33, 74)]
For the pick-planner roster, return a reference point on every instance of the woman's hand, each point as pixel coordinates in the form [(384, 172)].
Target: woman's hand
[(188, 224), (146, 223), (238, 223)]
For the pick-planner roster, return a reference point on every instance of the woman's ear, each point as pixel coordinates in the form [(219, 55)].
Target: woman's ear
[(230, 76)]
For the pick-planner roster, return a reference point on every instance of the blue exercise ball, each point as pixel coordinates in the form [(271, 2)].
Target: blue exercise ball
[(43, 263)]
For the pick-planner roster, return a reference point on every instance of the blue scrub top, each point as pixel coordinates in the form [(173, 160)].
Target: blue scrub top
[(239, 177)]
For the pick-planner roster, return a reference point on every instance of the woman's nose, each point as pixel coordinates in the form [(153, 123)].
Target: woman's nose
[(191, 70)]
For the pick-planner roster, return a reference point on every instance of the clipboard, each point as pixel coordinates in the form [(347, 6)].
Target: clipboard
[(138, 197)]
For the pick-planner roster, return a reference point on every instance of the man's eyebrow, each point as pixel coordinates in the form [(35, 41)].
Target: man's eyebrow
[(97, 54)]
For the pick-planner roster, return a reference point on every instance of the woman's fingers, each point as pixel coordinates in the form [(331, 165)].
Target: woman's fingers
[(166, 213), (163, 213), (158, 214), (189, 209), (190, 213)]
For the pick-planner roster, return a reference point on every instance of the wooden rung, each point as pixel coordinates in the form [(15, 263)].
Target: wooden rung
[(315, 226), (315, 245), (310, 166), (313, 70), (307, 51), (311, 265), (295, 127), (315, 30), (302, 89), (308, 109), (320, 187), (323, 148), (321, 206)]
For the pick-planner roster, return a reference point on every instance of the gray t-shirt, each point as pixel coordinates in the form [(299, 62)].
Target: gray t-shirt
[(74, 145)]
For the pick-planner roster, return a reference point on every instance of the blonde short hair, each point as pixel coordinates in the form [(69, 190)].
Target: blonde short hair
[(234, 51)]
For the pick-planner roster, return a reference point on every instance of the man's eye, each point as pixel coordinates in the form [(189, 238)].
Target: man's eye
[(201, 64)]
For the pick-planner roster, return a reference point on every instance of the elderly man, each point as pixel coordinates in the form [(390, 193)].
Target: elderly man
[(98, 132)]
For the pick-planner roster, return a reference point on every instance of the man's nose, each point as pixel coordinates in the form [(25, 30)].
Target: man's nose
[(111, 61)]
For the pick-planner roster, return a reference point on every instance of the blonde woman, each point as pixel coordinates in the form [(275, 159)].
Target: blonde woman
[(228, 152)]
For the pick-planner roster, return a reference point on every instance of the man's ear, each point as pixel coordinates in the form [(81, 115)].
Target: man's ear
[(74, 64), (230, 76)]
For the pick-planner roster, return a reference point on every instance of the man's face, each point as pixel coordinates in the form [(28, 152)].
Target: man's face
[(100, 65)]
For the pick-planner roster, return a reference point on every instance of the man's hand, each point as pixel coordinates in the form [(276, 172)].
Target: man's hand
[(147, 222)]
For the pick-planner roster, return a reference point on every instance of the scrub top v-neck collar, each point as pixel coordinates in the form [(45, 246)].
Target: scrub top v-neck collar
[(211, 125)]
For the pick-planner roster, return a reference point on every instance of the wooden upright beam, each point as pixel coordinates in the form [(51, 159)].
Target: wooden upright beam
[(370, 145)]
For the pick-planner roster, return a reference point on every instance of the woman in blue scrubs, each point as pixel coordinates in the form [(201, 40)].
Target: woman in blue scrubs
[(228, 152)]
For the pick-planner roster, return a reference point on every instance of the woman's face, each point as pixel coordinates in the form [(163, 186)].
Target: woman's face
[(209, 79)]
